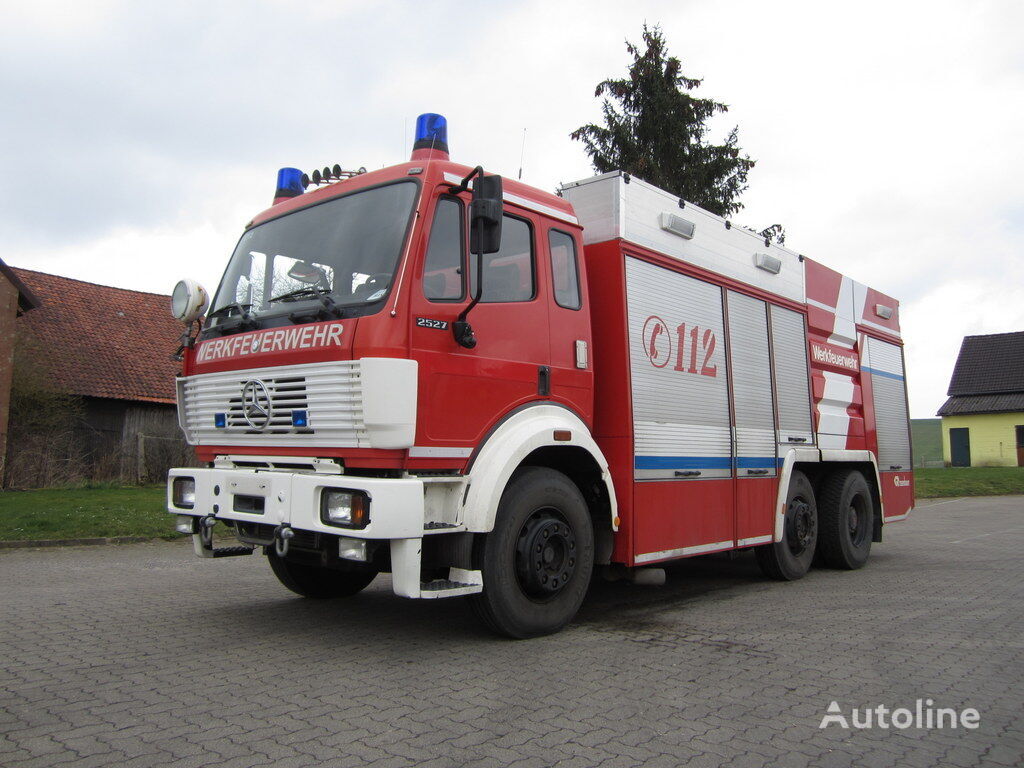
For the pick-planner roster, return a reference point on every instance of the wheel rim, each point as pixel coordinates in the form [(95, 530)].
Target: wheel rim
[(801, 526), (545, 554), (857, 520)]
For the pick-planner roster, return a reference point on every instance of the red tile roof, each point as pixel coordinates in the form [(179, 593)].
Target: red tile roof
[(26, 300), (102, 341)]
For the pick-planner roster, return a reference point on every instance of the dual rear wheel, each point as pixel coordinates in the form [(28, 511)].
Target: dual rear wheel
[(836, 526)]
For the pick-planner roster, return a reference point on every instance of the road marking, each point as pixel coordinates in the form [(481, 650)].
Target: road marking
[(939, 503), (983, 535)]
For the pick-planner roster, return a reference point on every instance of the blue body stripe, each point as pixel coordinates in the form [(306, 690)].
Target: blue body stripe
[(887, 375), (704, 462)]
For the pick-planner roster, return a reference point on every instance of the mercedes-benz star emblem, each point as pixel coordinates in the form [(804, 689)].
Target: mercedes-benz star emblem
[(256, 406)]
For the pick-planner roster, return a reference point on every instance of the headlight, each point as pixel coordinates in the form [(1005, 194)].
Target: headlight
[(183, 492), (347, 509)]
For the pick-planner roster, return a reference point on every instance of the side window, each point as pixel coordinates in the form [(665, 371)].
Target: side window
[(508, 274), (442, 270), (564, 270)]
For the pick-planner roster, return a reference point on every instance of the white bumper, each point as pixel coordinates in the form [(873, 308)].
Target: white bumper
[(293, 499), (396, 505)]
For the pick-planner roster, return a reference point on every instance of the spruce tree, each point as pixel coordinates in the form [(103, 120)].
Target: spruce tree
[(656, 129)]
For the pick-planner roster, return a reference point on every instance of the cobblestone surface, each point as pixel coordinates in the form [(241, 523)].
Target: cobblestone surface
[(142, 655)]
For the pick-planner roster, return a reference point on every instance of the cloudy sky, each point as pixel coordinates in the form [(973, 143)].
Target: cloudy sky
[(138, 137)]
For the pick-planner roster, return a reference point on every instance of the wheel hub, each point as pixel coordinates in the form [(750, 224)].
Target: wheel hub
[(545, 554), (801, 524)]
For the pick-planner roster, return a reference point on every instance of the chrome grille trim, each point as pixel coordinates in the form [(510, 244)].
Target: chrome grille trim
[(331, 393)]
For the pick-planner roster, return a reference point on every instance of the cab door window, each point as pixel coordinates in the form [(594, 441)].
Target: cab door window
[(565, 276), (509, 274), (442, 268)]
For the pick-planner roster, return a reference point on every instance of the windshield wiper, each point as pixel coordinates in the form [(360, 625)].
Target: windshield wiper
[(300, 293), (230, 323), (327, 310), (242, 309)]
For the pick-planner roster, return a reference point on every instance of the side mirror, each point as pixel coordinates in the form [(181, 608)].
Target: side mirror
[(485, 215), (188, 301)]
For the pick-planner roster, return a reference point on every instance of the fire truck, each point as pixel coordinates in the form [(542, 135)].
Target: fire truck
[(487, 390)]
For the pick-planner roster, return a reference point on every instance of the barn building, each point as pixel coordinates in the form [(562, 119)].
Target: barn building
[(99, 359)]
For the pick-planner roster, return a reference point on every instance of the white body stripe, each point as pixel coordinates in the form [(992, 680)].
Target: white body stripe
[(754, 541), (427, 452), (524, 202), (668, 554)]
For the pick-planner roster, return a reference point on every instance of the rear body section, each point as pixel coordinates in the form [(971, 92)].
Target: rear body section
[(724, 362)]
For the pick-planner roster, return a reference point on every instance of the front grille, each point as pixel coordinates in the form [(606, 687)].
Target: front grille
[(329, 393), (287, 393)]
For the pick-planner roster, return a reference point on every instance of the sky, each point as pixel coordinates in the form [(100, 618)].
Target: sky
[(137, 138)]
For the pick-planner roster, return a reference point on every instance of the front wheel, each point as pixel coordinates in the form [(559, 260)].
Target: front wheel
[(538, 560), (318, 582), (789, 559)]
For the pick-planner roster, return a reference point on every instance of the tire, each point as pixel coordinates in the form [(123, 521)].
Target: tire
[(790, 559), (847, 518), (317, 582), (538, 559)]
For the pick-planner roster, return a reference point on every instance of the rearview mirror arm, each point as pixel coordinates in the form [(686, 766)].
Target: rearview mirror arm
[(463, 186), (461, 329)]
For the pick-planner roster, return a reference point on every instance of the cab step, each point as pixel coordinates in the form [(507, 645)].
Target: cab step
[(434, 527), (459, 582), (232, 551)]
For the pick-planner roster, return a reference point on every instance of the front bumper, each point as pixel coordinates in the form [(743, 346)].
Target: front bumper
[(396, 505), (293, 499)]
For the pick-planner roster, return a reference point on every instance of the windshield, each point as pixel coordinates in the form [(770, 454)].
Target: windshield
[(345, 250)]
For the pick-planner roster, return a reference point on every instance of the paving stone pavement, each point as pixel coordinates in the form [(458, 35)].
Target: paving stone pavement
[(142, 655)]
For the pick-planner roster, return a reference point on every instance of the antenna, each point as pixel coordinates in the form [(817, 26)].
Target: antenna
[(522, 153)]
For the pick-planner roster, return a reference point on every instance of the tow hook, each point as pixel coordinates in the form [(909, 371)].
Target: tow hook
[(282, 535), (206, 531)]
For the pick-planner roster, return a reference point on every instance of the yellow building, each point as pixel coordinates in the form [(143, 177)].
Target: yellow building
[(983, 419)]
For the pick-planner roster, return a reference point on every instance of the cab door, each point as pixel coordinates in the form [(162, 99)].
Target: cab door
[(569, 322), (464, 391)]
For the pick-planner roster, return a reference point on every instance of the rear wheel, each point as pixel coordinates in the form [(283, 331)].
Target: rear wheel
[(538, 560), (318, 582), (789, 559), (847, 515)]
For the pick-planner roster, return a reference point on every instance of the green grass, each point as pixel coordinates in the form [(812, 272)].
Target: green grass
[(926, 436), (968, 481), (104, 511), (76, 513)]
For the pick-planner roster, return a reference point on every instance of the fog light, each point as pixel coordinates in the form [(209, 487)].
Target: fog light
[(183, 492), (352, 549), (348, 509), (185, 524)]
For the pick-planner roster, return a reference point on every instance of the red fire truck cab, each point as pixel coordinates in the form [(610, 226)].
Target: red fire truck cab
[(632, 381)]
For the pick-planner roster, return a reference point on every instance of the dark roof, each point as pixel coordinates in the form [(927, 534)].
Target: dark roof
[(988, 376), (989, 364), (26, 299), (968, 404), (100, 341)]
